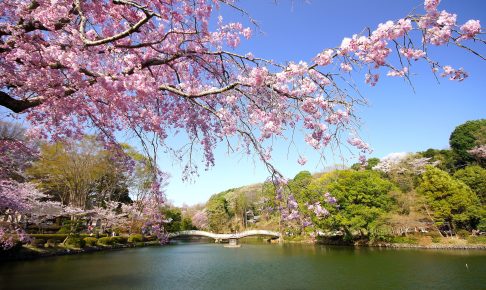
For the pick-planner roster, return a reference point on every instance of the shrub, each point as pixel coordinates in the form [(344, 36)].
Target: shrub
[(71, 226), (106, 241), (37, 242), (91, 241), (463, 234), (56, 237), (135, 238), (10, 248), (76, 242), (51, 243), (120, 239)]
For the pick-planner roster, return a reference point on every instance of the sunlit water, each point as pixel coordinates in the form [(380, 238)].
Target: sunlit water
[(253, 266)]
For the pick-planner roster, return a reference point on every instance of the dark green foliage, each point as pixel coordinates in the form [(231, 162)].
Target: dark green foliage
[(356, 166), (91, 241), (55, 237), (37, 242), (465, 137), (119, 239), (72, 227), (447, 158), (174, 216), (217, 213), (106, 241), (475, 177), (370, 163), (135, 238), (186, 224), (482, 220), (76, 242)]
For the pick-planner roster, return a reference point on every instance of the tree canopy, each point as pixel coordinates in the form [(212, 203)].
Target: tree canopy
[(475, 177), (451, 202), (466, 137)]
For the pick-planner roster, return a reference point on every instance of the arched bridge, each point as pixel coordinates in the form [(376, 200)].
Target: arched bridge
[(234, 236)]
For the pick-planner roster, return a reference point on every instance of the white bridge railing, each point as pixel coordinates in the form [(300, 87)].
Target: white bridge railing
[(225, 236)]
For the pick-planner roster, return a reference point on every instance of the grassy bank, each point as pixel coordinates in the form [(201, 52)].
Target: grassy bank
[(48, 245), (414, 241)]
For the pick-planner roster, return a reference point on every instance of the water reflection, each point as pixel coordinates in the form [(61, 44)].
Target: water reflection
[(256, 265)]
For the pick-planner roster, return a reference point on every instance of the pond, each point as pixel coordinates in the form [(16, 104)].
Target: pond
[(253, 266)]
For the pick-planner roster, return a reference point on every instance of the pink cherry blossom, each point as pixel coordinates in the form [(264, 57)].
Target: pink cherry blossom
[(414, 54), (470, 29), (302, 160), (324, 58), (454, 74), (346, 67), (431, 5)]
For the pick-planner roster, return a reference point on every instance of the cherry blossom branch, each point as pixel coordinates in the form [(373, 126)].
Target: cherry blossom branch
[(132, 29), (199, 94)]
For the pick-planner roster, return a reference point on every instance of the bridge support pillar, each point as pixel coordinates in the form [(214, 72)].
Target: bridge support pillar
[(232, 243)]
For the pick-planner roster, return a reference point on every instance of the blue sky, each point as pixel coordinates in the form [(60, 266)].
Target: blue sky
[(397, 119)]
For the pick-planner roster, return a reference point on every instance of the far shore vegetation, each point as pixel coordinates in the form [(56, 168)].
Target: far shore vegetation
[(434, 198)]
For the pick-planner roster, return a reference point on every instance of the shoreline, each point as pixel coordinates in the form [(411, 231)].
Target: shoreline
[(431, 247), (358, 244), (27, 253)]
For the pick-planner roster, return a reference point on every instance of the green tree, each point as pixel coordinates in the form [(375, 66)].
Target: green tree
[(475, 177), (299, 184), (174, 217), (82, 173), (363, 196), (446, 158), (186, 224), (451, 203), (370, 163), (465, 137), (217, 211), (70, 171)]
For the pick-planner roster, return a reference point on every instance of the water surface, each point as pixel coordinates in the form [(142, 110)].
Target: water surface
[(253, 266)]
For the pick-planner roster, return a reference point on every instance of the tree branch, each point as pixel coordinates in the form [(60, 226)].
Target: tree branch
[(132, 29), (18, 106), (201, 94)]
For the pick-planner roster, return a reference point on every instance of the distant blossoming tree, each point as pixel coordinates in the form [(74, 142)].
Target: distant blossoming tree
[(200, 220)]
